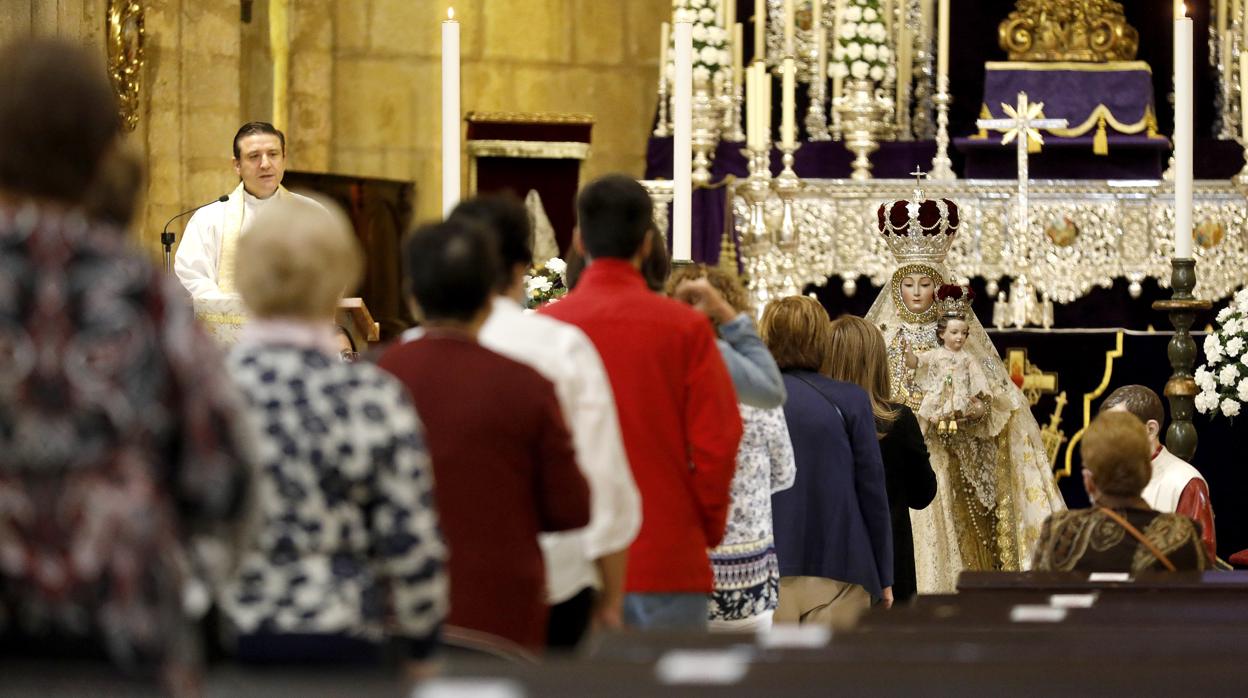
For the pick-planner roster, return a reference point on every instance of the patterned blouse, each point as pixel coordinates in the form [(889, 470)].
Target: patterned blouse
[(747, 576), (347, 539), (1086, 540), (118, 441)]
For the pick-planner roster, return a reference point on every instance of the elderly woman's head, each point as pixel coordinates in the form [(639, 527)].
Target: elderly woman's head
[(1116, 455), (297, 261), (797, 331)]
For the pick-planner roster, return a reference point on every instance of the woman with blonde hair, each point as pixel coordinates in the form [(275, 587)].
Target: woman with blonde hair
[(747, 576), (832, 529), (857, 354)]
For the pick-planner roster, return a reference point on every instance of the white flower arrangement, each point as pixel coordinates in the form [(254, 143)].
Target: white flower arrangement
[(545, 282), (861, 50), (1223, 378), (710, 41)]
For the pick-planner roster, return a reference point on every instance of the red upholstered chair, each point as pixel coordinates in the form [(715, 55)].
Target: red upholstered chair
[(517, 152), (1240, 559)]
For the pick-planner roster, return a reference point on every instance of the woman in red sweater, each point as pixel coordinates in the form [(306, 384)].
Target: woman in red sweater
[(503, 463)]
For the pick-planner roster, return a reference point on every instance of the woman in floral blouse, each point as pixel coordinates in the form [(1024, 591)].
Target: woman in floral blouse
[(346, 551), (747, 576)]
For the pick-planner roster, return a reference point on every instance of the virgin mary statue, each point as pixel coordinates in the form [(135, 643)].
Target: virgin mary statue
[(994, 485)]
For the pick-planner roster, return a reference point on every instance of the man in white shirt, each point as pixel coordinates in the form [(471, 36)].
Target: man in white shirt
[(595, 557), (205, 259)]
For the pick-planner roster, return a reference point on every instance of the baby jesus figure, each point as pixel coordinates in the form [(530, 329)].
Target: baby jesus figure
[(954, 385)]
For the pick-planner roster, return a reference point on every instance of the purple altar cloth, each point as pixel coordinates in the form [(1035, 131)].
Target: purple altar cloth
[(1075, 92), (1130, 157), (1072, 91)]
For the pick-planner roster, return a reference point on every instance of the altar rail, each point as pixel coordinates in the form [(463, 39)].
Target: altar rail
[(1082, 234)]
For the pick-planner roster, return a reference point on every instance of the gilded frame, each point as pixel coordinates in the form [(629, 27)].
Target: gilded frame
[(126, 43)]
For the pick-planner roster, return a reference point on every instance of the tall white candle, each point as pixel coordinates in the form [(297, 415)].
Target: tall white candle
[(838, 10), (665, 41), (738, 38), (816, 13), (788, 104), (450, 113), (790, 18), (751, 96), (759, 69), (1243, 96), (905, 68), (942, 38), (682, 163), (821, 47), (730, 13), (762, 81), (760, 30), (1183, 133)]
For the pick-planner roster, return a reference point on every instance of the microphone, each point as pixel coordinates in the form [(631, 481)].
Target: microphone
[(167, 238)]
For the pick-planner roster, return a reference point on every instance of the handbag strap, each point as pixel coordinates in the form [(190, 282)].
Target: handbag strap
[(1135, 532), (824, 395)]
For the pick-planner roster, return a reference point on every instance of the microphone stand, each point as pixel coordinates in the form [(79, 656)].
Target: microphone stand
[(167, 238)]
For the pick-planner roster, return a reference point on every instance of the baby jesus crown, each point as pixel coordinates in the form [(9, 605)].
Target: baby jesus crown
[(919, 229), (954, 301)]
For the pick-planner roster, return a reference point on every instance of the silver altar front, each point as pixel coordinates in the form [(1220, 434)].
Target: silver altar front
[(1082, 233)]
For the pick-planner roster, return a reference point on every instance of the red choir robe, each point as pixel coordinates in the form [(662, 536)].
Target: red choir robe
[(1177, 487)]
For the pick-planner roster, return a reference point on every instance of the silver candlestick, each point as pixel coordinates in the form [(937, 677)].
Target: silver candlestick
[(942, 166), (733, 122), (816, 115), (755, 190), (662, 129), (787, 184)]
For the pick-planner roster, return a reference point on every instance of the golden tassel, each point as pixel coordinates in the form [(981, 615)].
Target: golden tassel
[(983, 114), (1100, 142)]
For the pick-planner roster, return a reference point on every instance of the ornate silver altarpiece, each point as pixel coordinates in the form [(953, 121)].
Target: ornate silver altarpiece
[(1082, 233)]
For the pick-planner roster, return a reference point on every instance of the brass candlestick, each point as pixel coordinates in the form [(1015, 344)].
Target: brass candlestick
[(1181, 389)]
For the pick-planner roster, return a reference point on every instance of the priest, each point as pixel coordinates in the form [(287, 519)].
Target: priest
[(1175, 485), (205, 259)]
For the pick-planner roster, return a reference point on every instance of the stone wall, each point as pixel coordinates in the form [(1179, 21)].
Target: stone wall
[(364, 83), (593, 56)]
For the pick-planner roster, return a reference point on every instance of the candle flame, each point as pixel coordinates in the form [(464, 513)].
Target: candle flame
[(450, 14), (1180, 10)]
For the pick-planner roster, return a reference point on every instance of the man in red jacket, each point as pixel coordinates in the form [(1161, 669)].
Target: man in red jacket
[(676, 404)]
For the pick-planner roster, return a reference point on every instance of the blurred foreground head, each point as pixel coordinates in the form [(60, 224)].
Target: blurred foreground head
[(58, 120)]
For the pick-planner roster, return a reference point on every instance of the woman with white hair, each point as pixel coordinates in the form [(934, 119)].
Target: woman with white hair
[(346, 551)]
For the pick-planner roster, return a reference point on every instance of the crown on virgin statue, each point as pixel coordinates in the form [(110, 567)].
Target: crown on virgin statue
[(954, 300), (919, 230)]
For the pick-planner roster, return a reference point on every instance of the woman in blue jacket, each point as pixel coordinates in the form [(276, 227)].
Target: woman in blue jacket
[(832, 530)]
